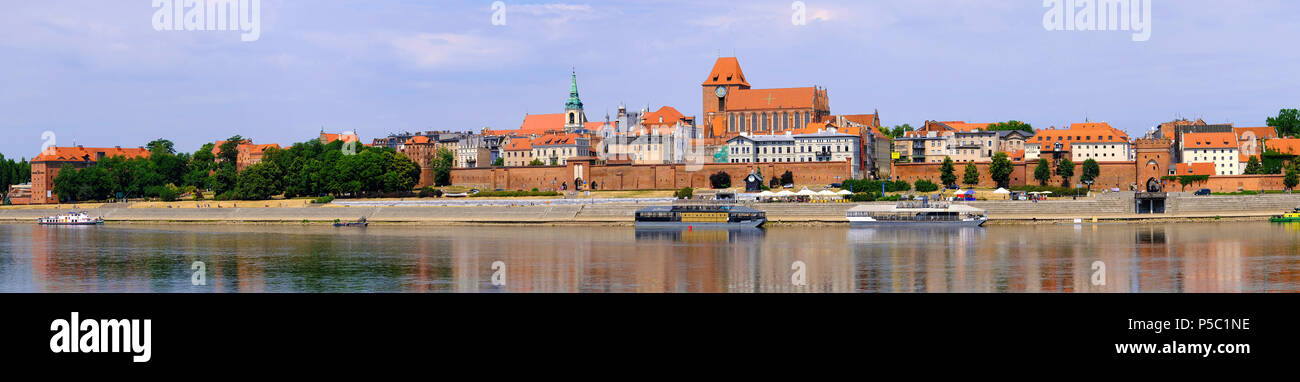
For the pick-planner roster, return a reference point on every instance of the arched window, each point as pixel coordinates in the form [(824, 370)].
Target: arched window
[(765, 125), (731, 122), (753, 121), (806, 118), (742, 123), (785, 121)]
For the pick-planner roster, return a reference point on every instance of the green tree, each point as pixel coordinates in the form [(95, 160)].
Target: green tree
[(1292, 177), (160, 145), (1011, 125), (443, 161), (972, 176), (787, 178), (1253, 167), (1091, 170), (536, 162), (259, 182), (720, 179), (499, 162), (947, 173), (1287, 123), (897, 131), (1043, 172), (1065, 169), (925, 185), (1000, 169), (201, 164)]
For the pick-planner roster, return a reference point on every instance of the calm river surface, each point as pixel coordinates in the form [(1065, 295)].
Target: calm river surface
[(1182, 257)]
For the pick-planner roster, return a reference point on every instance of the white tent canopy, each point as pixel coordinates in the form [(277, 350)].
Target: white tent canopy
[(827, 193), (806, 192), (785, 193), (1001, 191), (766, 194), (844, 192)]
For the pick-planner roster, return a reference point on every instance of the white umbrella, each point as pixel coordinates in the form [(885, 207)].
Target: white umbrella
[(806, 192), (1047, 192), (1001, 191), (785, 193), (844, 192), (766, 194), (827, 193)]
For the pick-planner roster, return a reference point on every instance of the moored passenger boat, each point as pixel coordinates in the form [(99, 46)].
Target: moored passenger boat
[(916, 213), (70, 218), (700, 215)]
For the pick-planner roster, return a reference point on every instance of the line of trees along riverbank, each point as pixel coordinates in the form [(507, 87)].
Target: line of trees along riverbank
[(307, 168), (12, 173)]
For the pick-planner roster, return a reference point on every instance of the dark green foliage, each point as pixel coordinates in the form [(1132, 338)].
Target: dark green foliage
[(925, 185)]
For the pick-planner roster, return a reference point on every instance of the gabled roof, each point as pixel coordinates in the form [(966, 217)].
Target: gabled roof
[(763, 99), (1204, 168), (1246, 133), (519, 144), (77, 154), (416, 140), (556, 139), (726, 71), (1283, 145), (1210, 141), (666, 115)]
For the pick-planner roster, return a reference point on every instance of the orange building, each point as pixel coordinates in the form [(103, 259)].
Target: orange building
[(732, 107), (248, 153), (46, 166), (1082, 141)]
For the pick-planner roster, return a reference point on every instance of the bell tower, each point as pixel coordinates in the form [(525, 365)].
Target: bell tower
[(574, 118)]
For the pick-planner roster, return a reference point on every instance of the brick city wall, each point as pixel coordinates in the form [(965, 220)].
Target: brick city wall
[(1233, 183), (1120, 175), (642, 177)]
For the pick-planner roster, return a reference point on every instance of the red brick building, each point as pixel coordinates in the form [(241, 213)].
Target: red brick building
[(45, 167)]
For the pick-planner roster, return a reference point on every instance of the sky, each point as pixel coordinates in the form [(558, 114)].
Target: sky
[(98, 73)]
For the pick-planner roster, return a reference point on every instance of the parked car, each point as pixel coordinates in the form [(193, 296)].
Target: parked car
[(1202, 192), (835, 185)]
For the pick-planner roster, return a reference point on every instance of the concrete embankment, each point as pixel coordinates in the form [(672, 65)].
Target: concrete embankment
[(1112, 207)]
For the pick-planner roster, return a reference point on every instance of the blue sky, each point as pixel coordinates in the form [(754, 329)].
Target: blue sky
[(98, 73)]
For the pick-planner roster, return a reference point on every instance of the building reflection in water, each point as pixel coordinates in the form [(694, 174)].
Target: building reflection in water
[(1188, 257)]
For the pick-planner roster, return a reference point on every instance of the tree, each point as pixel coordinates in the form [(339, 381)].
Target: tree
[(1000, 169), (259, 182), (972, 176), (1043, 172), (1292, 177), (946, 173), (1253, 167), (787, 178), (925, 185), (1065, 169), (684, 193), (1091, 170), (720, 179), (160, 146), (897, 131), (442, 163), (536, 162), (1011, 125), (1287, 123), (499, 162)]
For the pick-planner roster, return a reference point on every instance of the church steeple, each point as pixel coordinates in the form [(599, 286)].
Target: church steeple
[(574, 118), (574, 102)]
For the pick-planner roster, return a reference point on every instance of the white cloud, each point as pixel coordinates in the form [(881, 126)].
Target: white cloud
[(452, 50)]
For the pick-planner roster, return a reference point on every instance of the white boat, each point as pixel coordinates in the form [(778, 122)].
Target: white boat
[(916, 214), (70, 218)]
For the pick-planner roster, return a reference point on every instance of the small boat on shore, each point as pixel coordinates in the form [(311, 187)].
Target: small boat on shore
[(1290, 217), (707, 214), (70, 218), (919, 213), (359, 223)]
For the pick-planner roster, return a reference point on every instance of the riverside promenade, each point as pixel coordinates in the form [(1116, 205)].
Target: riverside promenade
[(1117, 207)]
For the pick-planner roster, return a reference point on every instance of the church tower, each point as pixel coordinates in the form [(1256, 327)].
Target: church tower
[(574, 118)]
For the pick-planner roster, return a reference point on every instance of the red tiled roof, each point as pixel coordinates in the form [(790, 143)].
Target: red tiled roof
[(555, 139), (329, 138), (726, 71), (1204, 168), (1283, 145), (1093, 132), (418, 139), (519, 144), (1245, 133), (1210, 140), (75, 154), (764, 99), (666, 115)]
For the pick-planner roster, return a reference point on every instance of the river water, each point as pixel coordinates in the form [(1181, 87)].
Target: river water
[(1175, 257)]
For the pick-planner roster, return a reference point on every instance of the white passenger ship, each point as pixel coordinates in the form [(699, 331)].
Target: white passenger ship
[(915, 214), (71, 218)]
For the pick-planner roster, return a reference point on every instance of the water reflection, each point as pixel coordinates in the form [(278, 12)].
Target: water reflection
[(1202, 257)]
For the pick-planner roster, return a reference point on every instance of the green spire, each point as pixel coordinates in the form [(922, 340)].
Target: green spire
[(574, 102)]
